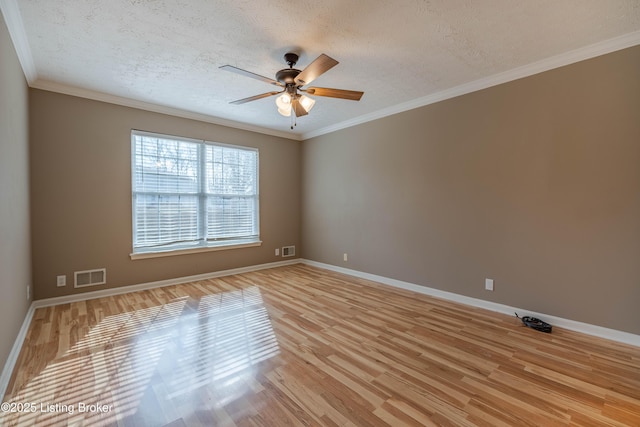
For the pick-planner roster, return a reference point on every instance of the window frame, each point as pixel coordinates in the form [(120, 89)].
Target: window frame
[(201, 244)]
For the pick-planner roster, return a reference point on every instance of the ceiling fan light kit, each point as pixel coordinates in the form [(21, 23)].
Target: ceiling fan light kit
[(284, 103), (292, 80)]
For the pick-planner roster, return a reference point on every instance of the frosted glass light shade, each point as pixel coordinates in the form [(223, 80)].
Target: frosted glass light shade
[(307, 103), (284, 104), (285, 112), (284, 101)]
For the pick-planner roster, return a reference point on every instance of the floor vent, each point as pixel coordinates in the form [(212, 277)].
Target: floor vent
[(90, 277), (288, 251)]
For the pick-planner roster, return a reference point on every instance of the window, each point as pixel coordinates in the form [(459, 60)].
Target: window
[(190, 194)]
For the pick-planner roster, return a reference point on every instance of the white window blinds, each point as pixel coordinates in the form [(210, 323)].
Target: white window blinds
[(189, 193)]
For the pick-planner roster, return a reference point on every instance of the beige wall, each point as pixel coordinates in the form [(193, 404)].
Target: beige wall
[(534, 183), (81, 193), (15, 252)]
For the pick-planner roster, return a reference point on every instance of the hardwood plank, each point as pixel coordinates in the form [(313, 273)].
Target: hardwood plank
[(298, 345)]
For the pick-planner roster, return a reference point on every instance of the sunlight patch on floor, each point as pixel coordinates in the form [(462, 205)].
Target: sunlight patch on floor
[(170, 350)]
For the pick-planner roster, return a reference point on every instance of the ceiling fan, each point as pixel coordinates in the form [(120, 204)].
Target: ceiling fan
[(292, 80)]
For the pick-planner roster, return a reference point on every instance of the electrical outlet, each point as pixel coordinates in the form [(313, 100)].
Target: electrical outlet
[(488, 284), (277, 251), (345, 257), (62, 281)]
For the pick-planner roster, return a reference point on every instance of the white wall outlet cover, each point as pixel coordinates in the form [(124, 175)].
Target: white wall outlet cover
[(488, 284)]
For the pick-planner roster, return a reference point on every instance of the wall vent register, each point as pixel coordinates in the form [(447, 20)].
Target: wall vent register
[(288, 251), (90, 277)]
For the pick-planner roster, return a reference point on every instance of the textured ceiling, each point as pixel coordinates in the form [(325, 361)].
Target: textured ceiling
[(167, 53)]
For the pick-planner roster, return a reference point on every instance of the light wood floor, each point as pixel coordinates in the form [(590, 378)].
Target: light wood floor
[(301, 346)]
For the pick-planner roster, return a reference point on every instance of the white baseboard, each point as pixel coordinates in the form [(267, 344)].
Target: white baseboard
[(585, 328), (15, 352), (22, 334)]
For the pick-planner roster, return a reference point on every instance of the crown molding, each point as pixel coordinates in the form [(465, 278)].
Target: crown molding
[(156, 108), (557, 61), (13, 19)]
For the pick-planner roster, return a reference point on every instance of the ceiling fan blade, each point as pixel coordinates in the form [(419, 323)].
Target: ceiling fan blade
[(352, 95), (297, 108), (250, 74), (254, 98), (319, 66)]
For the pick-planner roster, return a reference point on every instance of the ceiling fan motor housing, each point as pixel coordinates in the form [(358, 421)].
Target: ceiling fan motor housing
[(287, 76)]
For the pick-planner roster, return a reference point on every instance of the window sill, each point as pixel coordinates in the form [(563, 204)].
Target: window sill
[(175, 252)]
